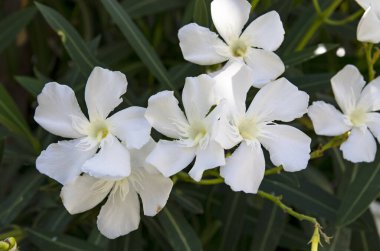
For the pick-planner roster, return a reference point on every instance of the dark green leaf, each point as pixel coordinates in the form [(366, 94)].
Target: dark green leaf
[(233, 220), (32, 85), (306, 54), (360, 193), (311, 82), (156, 231), (148, 7), (72, 41), (138, 42), (11, 118), (340, 242), (47, 241), (200, 14), (190, 204), (269, 228), (13, 24), (179, 232), (365, 238)]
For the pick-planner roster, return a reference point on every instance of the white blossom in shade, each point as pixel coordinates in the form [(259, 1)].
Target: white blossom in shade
[(193, 132), (121, 212), (256, 127), (359, 105), (59, 113), (368, 28), (254, 46)]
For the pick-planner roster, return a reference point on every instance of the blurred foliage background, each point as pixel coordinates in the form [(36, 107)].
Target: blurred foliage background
[(63, 40)]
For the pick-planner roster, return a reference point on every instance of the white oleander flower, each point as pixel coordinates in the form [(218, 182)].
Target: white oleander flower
[(256, 128), (121, 213), (193, 132), (59, 113), (368, 28), (359, 105), (254, 46)]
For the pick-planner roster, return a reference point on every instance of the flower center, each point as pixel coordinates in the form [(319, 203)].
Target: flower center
[(248, 129), (98, 130), (358, 117), (197, 132), (239, 48)]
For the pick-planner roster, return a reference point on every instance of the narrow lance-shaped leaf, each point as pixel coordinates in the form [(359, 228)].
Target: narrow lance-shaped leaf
[(13, 24), (72, 41), (200, 14), (138, 42)]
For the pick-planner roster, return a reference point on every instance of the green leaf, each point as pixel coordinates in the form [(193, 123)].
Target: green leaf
[(269, 228), (50, 241), (200, 13), (55, 220), (307, 197), (365, 238), (137, 41), (306, 55), (13, 24), (233, 211), (311, 82), (188, 203), (11, 118), (364, 188), (148, 7), (179, 232), (72, 41), (156, 231), (340, 242), (97, 239), (19, 199), (32, 85)]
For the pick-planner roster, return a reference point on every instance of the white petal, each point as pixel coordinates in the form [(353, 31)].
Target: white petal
[(370, 97), (278, 100), (131, 126), (62, 161), (120, 215), (347, 85), (201, 46), (374, 124), (198, 97), (368, 27), (327, 120), (170, 157), (265, 32), (84, 193), (103, 92), (229, 17), (244, 170), (154, 190), (359, 147), (210, 157), (287, 146), (56, 110), (138, 156), (226, 134), (164, 115), (233, 84), (111, 162), (364, 3), (265, 65)]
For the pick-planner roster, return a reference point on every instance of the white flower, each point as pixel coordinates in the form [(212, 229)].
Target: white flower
[(253, 128), (58, 112), (368, 28), (254, 46), (193, 133), (358, 106), (121, 213)]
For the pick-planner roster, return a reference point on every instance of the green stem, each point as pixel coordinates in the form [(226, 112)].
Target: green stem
[(254, 4), (275, 170), (370, 62), (317, 7), (347, 20)]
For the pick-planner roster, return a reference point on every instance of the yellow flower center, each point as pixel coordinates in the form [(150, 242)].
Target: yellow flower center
[(197, 132), (98, 130), (248, 129), (239, 48), (358, 117)]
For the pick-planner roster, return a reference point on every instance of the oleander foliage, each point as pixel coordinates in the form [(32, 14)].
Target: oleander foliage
[(64, 40)]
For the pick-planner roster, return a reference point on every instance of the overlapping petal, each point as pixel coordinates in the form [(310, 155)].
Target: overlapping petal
[(327, 120), (111, 162), (164, 114), (244, 169), (99, 98), (84, 193), (120, 214), (373, 122), (369, 98), (62, 161), (368, 30), (265, 65), (279, 100), (229, 17), (347, 85), (360, 146), (201, 46), (287, 146), (57, 110), (131, 126), (265, 32), (170, 157)]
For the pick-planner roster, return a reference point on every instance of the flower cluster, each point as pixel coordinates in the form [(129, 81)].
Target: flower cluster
[(114, 155)]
